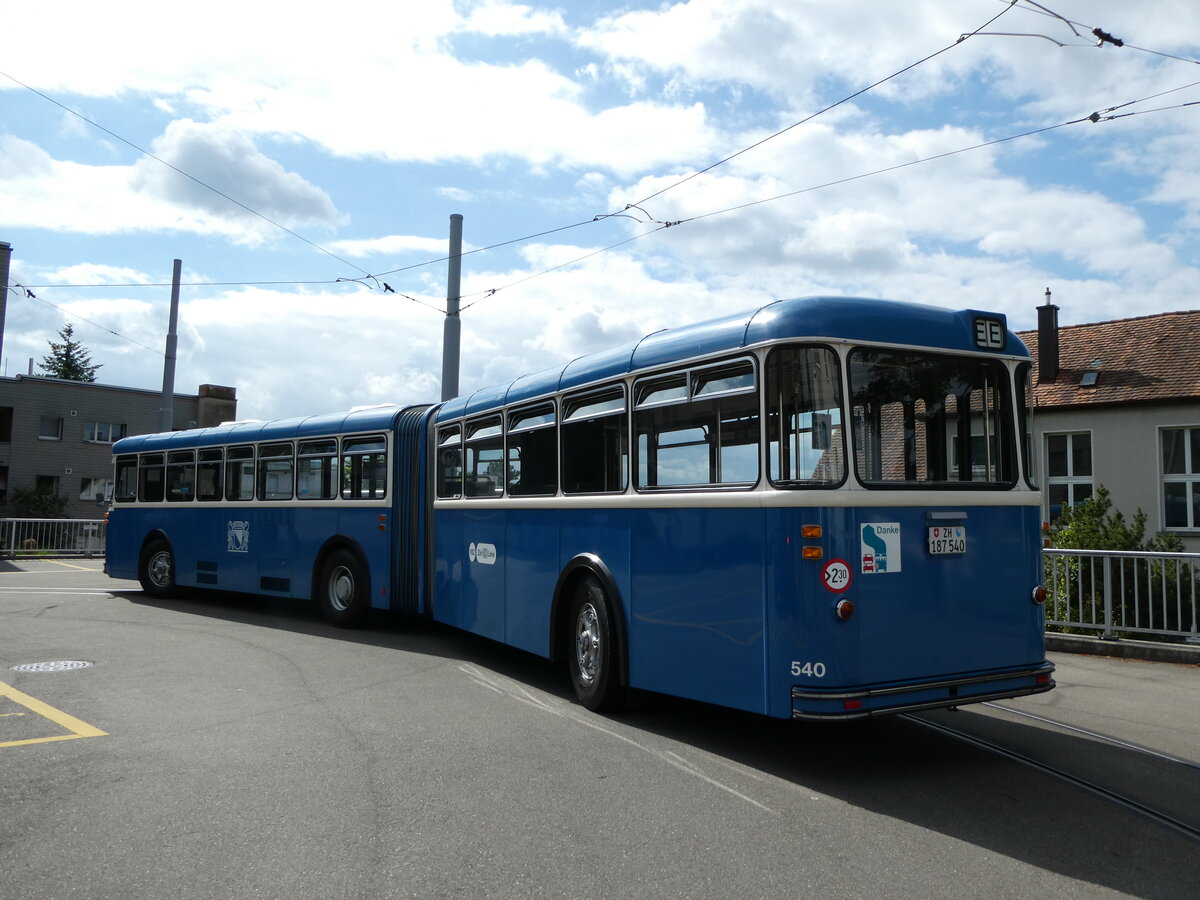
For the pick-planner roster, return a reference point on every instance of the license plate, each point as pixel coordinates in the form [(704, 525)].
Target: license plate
[(947, 540)]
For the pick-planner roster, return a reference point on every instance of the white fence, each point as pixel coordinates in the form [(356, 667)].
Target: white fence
[(52, 537), (1105, 592), (1113, 593)]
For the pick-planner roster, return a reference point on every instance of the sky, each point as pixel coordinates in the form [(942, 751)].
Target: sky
[(620, 168)]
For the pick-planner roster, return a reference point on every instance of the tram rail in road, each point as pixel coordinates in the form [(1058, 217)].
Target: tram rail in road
[(1152, 810)]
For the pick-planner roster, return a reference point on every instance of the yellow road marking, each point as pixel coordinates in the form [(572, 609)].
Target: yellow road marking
[(77, 727), (67, 565)]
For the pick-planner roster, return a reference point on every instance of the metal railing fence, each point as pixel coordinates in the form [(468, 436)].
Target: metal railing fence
[(1115, 593), (51, 537), (1106, 592)]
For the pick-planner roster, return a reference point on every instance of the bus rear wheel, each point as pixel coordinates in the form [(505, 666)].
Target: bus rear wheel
[(156, 569), (592, 648), (343, 589)]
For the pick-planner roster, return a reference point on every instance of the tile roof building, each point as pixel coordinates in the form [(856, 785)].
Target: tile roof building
[(1118, 404)]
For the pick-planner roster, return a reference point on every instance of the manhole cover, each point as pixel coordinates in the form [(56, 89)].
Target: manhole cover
[(60, 665)]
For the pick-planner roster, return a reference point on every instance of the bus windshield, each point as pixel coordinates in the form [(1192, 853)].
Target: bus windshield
[(931, 419)]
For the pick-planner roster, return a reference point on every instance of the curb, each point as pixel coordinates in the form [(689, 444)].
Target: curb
[(1151, 651)]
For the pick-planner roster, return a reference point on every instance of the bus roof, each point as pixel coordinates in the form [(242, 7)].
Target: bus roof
[(815, 318), (358, 420), (829, 318)]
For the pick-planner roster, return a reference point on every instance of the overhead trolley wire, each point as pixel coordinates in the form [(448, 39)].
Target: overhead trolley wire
[(1107, 114), (186, 175), (1102, 37), (1032, 7), (821, 112)]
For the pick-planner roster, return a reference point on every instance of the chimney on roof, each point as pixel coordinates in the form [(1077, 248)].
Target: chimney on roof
[(1047, 341)]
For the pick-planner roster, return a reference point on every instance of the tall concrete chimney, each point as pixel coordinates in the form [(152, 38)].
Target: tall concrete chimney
[(1047, 341)]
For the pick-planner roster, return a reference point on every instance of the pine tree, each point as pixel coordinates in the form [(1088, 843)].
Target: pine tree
[(70, 359)]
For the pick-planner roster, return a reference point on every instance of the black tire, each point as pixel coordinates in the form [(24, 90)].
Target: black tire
[(343, 589), (156, 569), (592, 648)]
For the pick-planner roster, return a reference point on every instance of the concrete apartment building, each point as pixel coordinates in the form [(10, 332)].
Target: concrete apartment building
[(58, 434)]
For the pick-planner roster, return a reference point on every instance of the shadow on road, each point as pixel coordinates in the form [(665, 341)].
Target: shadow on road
[(891, 767)]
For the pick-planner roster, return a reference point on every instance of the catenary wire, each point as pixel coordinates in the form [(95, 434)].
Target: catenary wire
[(1101, 116), (820, 112), (1103, 36), (186, 175), (474, 250), (104, 328)]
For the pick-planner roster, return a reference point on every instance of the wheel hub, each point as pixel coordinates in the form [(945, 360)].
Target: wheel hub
[(587, 643)]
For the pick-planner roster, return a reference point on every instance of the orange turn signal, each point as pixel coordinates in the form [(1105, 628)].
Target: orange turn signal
[(810, 531), (812, 552)]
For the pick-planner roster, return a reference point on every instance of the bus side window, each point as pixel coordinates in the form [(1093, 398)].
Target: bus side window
[(449, 463), (150, 478), (532, 451), (698, 428), (485, 472), (364, 468), (239, 474), (126, 487), (805, 438), (315, 462), (595, 442), (208, 474), (181, 475), (276, 469)]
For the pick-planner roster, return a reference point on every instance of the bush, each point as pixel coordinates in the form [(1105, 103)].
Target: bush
[(1095, 525), (32, 503)]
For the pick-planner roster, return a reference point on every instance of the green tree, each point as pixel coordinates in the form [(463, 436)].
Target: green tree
[(1095, 525), (70, 359)]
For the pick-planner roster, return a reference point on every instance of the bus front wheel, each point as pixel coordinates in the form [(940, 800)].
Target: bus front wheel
[(343, 589), (592, 649), (156, 570)]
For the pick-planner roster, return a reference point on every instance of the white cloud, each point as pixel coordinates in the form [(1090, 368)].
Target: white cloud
[(390, 245), (225, 173), (499, 19)]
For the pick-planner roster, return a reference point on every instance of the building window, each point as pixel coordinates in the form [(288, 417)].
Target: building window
[(1068, 471), (103, 432), (46, 484), (95, 490), (3, 484), (6, 416), (1181, 477), (50, 429)]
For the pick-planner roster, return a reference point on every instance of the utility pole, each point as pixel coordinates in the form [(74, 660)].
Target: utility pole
[(452, 330), (166, 409), (5, 256)]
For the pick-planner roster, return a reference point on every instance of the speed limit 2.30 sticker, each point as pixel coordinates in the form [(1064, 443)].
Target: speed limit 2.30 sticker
[(835, 575)]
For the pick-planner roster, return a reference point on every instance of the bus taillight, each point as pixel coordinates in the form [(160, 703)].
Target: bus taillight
[(1039, 595), (844, 610)]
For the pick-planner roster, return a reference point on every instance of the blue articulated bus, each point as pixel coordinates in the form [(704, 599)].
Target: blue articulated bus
[(819, 509)]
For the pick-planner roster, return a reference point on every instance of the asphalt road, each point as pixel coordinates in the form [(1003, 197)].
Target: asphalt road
[(227, 747)]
